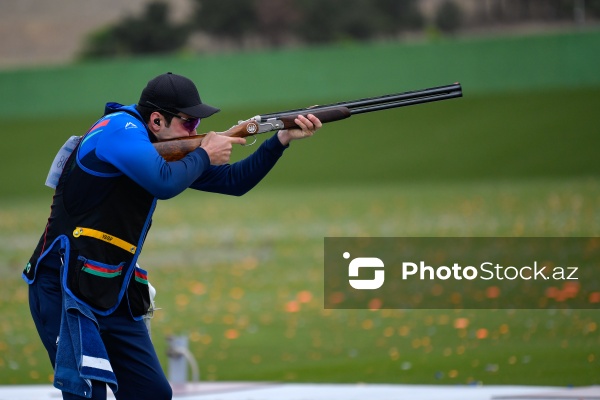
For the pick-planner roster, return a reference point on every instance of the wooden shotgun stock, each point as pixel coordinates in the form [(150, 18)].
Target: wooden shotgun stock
[(176, 149)]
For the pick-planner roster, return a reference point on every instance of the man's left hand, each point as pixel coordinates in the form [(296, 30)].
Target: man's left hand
[(307, 126)]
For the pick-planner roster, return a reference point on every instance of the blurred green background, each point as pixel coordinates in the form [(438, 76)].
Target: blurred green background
[(242, 277)]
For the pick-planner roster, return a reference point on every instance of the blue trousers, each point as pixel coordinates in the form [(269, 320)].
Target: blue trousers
[(130, 350)]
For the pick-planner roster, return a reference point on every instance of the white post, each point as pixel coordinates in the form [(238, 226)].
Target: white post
[(179, 357)]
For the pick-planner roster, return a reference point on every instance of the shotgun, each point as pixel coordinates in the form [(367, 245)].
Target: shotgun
[(176, 149)]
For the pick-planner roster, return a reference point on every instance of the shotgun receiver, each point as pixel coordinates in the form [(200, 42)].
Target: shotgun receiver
[(176, 149)]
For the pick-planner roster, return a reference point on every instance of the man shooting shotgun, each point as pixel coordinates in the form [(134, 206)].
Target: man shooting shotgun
[(87, 294), (172, 150)]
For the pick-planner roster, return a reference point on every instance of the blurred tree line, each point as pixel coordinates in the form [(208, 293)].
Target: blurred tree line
[(276, 23)]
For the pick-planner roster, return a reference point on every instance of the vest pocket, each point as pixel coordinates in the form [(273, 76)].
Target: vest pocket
[(96, 283), (138, 293)]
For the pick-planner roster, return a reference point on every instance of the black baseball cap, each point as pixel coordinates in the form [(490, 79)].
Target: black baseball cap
[(175, 92)]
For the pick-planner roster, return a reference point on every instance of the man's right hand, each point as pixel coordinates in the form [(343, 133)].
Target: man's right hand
[(219, 147)]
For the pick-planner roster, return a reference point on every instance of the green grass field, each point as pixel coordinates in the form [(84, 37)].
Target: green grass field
[(243, 277)]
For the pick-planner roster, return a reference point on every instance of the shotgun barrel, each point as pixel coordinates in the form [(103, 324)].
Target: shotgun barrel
[(377, 103)]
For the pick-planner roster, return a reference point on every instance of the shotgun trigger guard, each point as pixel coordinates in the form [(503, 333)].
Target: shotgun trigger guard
[(250, 144)]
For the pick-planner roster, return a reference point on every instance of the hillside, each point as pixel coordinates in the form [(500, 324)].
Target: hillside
[(40, 32)]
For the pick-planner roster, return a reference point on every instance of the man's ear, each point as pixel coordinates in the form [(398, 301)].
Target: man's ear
[(154, 122)]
